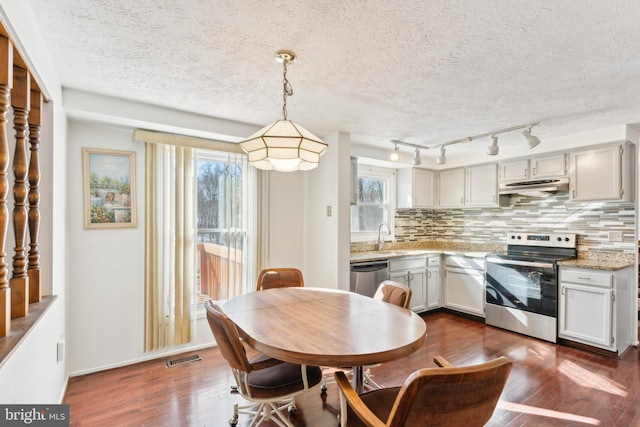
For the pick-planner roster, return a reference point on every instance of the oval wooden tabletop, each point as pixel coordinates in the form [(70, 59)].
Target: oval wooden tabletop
[(316, 326)]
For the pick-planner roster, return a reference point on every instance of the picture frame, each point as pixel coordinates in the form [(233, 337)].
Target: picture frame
[(109, 188)]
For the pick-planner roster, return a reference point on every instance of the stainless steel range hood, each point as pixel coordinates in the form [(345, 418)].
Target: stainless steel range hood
[(550, 185)]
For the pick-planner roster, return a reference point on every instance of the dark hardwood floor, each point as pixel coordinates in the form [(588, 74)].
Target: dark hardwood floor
[(549, 384)]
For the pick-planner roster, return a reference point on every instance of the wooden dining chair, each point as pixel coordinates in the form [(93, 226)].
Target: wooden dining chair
[(279, 278), (444, 396), (270, 384), (394, 293)]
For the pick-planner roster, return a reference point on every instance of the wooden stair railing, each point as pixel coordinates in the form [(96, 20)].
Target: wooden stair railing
[(6, 81), (35, 123), (20, 101)]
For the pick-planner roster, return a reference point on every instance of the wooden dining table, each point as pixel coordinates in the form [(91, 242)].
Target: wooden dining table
[(324, 327)]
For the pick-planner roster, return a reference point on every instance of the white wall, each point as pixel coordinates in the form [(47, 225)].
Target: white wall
[(285, 222), (326, 238), (106, 275), (32, 373)]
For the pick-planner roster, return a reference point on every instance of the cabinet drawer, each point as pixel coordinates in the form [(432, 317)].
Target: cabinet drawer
[(585, 277), (407, 263), (433, 261)]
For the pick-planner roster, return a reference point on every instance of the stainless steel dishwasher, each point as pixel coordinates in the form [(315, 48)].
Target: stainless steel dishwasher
[(367, 276)]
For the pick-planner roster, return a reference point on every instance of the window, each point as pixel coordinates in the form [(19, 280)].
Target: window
[(223, 212), (199, 234), (375, 202)]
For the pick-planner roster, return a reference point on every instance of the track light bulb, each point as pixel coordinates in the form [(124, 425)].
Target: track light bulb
[(394, 156), (441, 159), (531, 140), (416, 158), (493, 149)]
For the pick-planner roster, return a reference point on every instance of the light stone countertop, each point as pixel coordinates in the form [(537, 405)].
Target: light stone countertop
[(597, 260), (611, 264)]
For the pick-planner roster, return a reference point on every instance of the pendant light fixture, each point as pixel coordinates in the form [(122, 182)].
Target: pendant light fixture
[(283, 145)]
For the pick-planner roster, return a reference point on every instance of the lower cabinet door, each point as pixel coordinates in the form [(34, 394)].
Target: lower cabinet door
[(416, 280), (433, 288), (464, 290), (586, 314)]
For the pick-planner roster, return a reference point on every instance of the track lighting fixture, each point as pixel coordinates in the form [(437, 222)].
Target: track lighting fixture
[(416, 158), (531, 140), (493, 149), (394, 156)]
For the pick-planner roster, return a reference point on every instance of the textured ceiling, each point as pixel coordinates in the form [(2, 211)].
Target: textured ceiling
[(425, 72)]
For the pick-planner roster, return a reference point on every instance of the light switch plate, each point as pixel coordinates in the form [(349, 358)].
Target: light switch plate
[(329, 210)]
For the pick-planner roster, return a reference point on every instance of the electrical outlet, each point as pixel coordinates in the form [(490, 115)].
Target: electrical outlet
[(615, 236), (329, 210)]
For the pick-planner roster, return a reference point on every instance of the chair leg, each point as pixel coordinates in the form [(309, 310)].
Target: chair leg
[(233, 421), (369, 383)]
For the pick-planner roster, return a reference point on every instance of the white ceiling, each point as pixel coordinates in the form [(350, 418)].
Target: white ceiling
[(425, 72)]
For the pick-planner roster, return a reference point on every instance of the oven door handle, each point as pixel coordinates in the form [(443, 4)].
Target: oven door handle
[(501, 261)]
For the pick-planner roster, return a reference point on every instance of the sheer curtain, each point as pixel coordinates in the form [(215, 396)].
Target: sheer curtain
[(169, 245)]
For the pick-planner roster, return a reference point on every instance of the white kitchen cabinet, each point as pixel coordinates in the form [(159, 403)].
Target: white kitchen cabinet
[(594, 308), (603, 173), (411, 271), (482, 185), (433, 282), (464, 285), (548, 166), (416, 188), (514, 170), (538, 167), (451, 190)]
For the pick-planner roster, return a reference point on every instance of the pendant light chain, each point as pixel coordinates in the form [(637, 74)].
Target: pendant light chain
[(287, 90)]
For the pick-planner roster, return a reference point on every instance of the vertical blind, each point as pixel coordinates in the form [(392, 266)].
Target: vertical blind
[(172, 233), (169, 245)]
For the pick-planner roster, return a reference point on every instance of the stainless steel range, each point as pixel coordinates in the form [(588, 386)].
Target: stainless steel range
[(522, 285)]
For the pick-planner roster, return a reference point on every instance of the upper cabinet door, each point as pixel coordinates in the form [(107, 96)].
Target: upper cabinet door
[(548, 166), (416, 188), (602, 173), (517, 170), (451, 188), (482, 185)]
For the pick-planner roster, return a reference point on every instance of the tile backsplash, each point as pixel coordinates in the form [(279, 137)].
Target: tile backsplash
[(591, 221)]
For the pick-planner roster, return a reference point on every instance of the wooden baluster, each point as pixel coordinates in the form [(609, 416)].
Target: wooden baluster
[(20, 100), (35, 123), (6, 81)]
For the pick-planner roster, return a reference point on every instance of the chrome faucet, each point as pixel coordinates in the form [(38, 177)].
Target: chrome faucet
[(380, 242)]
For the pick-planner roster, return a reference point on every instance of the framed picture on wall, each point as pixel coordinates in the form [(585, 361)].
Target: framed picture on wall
[(109, 188)]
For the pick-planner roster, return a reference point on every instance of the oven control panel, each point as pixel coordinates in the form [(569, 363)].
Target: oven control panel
[(553, 240)]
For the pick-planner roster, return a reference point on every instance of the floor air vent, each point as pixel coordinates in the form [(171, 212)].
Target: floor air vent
[(182, 360)]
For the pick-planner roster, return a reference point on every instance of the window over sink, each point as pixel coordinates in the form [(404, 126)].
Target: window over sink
[(376, 202)]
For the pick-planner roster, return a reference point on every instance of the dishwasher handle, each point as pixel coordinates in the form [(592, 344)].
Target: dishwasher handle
[(366, 267)]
